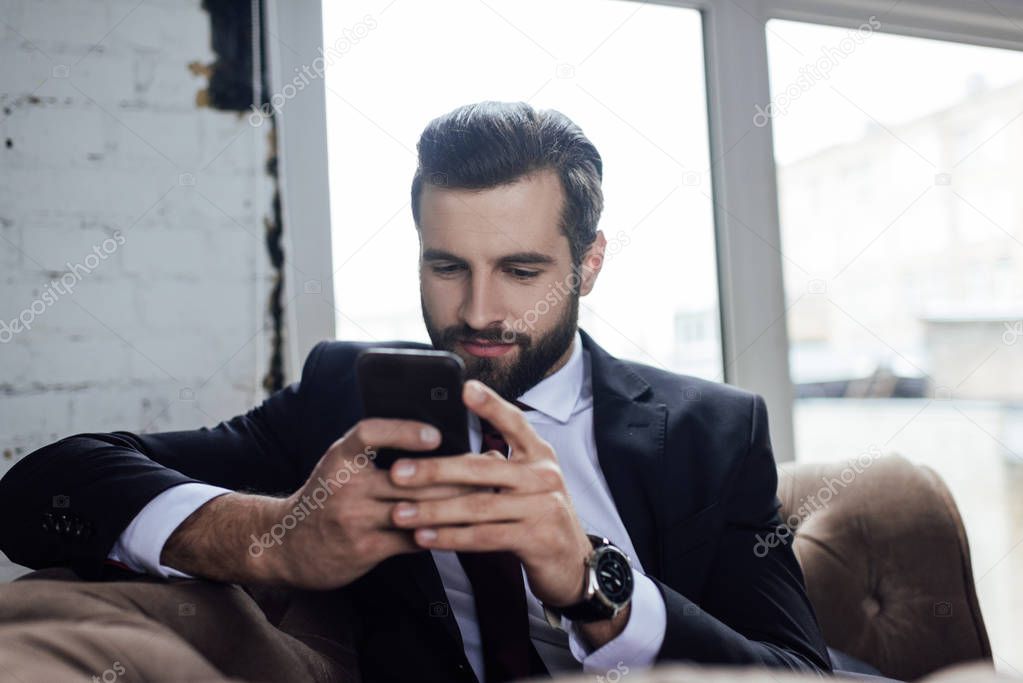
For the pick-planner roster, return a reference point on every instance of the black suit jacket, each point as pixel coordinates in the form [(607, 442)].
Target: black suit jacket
[(688, 463)]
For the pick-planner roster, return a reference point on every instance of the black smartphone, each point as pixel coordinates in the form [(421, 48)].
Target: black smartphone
[(413, 384)]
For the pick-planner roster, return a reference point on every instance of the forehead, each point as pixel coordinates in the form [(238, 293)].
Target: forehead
[(522, 214)]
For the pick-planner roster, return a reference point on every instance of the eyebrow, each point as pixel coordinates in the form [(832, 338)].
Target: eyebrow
[(532, 257)]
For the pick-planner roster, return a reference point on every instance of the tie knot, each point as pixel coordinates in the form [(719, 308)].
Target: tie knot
[(492, 439)]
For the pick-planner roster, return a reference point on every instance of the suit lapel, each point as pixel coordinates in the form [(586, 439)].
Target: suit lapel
[(629, 431)]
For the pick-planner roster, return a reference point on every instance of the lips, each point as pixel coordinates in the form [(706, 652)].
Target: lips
[(486, 349)]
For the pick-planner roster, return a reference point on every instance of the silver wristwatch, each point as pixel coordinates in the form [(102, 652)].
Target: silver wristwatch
[(607, 586)]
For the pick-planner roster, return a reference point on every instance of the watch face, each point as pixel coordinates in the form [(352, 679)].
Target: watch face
[(614, 576)]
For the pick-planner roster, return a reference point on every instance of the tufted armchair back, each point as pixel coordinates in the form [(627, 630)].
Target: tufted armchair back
[(886, 562)]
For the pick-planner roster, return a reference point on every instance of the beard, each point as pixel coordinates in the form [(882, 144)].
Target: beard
[(537, 353)]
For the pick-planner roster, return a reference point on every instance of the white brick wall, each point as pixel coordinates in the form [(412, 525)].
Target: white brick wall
[(164, 333)]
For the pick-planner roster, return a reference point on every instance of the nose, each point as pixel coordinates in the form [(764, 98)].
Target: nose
[(482, 308)]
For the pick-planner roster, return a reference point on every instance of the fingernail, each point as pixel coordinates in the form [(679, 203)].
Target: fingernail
[(405, 469), (429, 434), (475, 393), (405, 510), (426, 535)]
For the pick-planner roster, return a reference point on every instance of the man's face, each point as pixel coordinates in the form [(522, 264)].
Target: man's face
[(496, 279)]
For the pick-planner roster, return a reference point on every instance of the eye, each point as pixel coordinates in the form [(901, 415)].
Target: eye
[(449, 269), (523, 274)]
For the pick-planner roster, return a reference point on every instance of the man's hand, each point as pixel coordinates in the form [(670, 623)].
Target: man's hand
[(529, 514), (327, 534)]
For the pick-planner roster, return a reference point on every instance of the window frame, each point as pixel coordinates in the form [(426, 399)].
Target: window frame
[(754, 337)]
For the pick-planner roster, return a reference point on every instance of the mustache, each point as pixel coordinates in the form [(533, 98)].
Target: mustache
[(493, 335)]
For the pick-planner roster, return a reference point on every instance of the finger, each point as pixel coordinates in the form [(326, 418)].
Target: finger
[(505, 417), (382, 489), (354, 514), (391, 543), (472, 469), (479, 537), (475, 508), (429, 492), (371, 434), (490, 469)]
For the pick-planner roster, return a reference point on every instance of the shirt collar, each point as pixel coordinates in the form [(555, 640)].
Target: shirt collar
[(556, 394)]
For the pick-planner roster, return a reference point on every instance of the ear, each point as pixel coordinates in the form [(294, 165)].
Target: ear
[(592, 262)]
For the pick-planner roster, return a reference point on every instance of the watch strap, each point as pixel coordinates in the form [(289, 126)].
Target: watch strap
[(587, 610)]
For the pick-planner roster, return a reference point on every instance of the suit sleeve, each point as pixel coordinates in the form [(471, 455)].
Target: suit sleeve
[(754, 609), (67, 503), (140, 546)]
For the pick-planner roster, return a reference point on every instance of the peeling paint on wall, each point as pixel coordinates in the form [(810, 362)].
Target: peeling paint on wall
[(231, 87), (231, 74), (273, 225)]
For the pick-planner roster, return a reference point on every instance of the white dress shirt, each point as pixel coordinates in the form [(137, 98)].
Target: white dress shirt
[(563, 416)]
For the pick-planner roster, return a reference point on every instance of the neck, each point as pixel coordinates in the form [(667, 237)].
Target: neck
[(560, 363)]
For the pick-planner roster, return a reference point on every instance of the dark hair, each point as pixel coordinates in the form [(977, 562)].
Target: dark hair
[(488, 144)]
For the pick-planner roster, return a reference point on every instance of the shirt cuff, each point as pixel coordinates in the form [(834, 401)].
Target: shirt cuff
[(140, 544), (638, 643)]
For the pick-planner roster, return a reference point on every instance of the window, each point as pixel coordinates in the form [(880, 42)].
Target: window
[(631, 75), (899, 161)]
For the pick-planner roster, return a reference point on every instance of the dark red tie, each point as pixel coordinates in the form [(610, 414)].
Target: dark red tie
[(500, 596)]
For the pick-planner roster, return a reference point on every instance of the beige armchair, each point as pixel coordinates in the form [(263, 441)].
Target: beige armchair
[(887, 563)]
